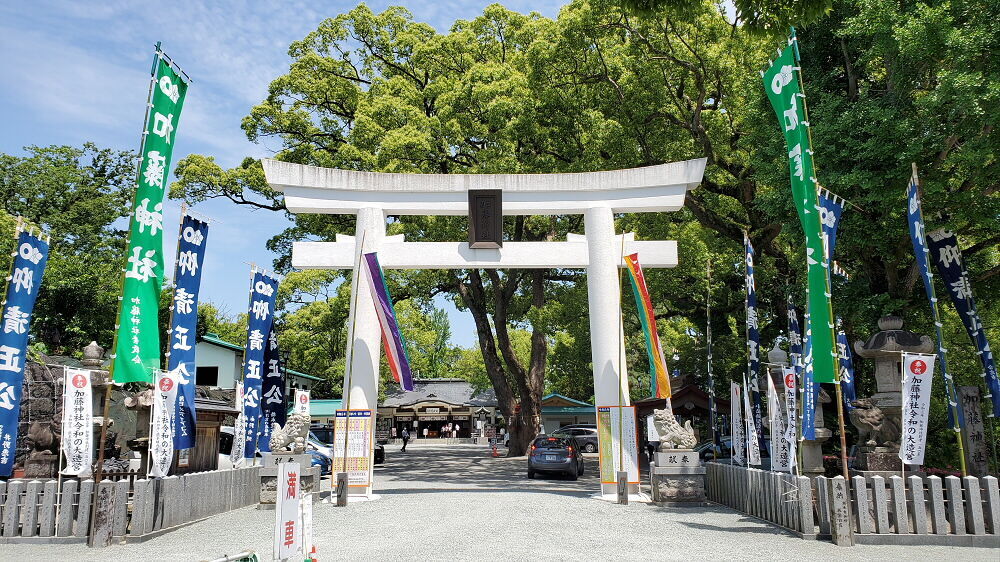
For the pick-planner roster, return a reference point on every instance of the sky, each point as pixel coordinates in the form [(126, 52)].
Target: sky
[(73, 71)]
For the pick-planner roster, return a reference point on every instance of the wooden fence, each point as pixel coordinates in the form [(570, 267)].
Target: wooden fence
[(917, 510), (35, 511)]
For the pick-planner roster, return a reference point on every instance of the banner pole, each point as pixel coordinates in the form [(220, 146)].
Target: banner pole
[(708, 341), (350, 363), (621, 354), (949, 385), (814, 199), (109, 382), (62, 434)]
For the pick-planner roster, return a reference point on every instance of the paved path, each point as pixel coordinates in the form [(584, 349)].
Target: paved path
[(457, 503)]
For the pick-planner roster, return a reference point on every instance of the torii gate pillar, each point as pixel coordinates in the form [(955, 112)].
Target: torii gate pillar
[(604, 301)]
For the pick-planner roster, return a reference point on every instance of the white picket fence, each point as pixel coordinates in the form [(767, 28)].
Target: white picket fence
[(917, 510), (35, 511)]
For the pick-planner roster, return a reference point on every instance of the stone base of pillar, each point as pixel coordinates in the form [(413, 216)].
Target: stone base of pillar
[(812, 453), (269, 477), (677, 478)]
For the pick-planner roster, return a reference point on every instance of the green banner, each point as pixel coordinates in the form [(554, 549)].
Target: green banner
[(784, 88), (137, 340)]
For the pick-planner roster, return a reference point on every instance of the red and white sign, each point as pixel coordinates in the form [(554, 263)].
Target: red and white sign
[(791, 410), (162, 438), (301, 401), (78, 423), (287, 523), (918, 375)]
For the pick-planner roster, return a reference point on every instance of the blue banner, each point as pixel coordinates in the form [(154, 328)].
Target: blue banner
[(794, 340), (947, 258), (275, 403), (830, 209), (263, 291), (847, 388), (915, 218), (810, 392), (753, 336), (191, 241), (30, 256)]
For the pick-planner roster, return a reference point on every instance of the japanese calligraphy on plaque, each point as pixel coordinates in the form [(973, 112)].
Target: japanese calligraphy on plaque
[(485, 218)]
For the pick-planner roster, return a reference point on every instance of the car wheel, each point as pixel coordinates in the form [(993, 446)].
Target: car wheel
[(531, 474), (580, 472), (589, 447), (573, 476)]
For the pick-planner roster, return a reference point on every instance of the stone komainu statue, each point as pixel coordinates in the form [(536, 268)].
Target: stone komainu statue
[(293, 436), (875, 429), (672, 435)]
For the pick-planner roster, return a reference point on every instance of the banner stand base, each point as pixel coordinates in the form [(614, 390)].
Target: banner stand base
[(632, 497)]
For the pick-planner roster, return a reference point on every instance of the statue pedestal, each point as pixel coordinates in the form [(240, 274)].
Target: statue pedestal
[(882, 461), (41, 465), (677, 477), (269, 477)]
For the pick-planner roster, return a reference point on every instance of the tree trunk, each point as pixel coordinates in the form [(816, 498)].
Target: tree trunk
[(518, 390)]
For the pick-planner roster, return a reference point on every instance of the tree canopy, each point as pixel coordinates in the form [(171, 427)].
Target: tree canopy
[(601, 87)]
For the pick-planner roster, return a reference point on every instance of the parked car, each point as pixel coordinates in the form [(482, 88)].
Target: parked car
[(585, 436), (553, 454), (322, 461), (708, 452)]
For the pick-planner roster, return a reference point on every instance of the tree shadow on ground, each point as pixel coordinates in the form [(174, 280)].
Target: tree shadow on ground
[(470, 468)]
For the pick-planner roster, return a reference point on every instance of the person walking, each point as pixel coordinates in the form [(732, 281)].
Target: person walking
[(406, 437)]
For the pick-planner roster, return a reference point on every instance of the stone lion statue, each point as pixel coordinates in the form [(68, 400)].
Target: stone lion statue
[(875, 429), (672, 435), (293, 436)]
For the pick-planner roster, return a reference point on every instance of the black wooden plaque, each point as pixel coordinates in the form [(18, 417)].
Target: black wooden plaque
[(485, 218)]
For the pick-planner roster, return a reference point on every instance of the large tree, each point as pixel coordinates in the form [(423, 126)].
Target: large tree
[(78, 196), (602, 88)]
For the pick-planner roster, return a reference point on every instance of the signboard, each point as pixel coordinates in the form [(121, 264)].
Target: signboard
[(287, 525), (614, 422), (78, 420), (162, 436), (383, 426), (918, 371), (357, 429), (651, 435), (302, 399), (974, 432)]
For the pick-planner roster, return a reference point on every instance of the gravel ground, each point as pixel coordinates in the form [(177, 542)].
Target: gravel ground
[(455, 502)]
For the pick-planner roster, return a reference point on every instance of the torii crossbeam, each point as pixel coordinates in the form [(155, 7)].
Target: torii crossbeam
[(596, 195)]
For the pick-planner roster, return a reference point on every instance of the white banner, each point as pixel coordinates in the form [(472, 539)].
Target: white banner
[(736, 422), (752, 443), (162, 431), (918, 373), (781, 447), (301, 401), (78, 423), (791, 412), (239, 430), (306, 511), (287, 526)]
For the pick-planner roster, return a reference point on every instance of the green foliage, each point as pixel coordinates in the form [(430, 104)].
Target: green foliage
[(76, 195), (754, 16), (601, 88)]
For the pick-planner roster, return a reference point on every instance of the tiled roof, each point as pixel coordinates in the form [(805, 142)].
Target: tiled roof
[(458, 392)]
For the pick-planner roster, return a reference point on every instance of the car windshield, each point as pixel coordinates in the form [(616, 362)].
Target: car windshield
[(552, 442)]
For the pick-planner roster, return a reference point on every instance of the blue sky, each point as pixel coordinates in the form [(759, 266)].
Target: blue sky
[(72, 72)]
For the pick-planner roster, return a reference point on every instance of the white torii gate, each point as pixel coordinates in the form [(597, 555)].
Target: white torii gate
[(596, 195)]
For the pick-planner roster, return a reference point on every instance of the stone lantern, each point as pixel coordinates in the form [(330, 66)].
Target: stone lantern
[(878, 417)]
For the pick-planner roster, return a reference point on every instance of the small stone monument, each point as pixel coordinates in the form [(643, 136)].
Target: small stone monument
[(878, 417), (288, 444), (676, 473)]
